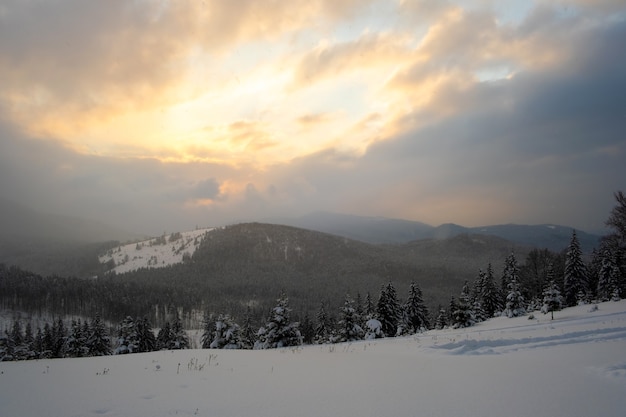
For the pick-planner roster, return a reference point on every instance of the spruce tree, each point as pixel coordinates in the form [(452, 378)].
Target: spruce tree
[(349, 328), (552, 299), (415, 311), (575, 276), (442, 318), (180, 340), (609, 274), (322, 329), (307, 330), (490, 296), (388, 310), (146, 339), (127, 337), (226, 334), (76, 341), (98, 341), (247, 332), (164, 337), (208, 329), (463, 315), (279, 331)]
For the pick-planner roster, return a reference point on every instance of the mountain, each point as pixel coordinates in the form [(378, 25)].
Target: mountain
[(383, 230), (249, 264), (365, 229)]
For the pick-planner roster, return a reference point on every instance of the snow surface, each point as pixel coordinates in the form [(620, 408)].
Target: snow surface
[(156, 252), (572, 366)]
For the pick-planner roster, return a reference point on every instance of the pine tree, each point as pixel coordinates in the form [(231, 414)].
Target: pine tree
[(207, 332), (180, 340), (127, 337), (388, 310), (463, 315), (146, 340), (552, 299), (59, 335), (278, 331), (442, 318), (247, 332), (349, 328), (369, 310), (514, 301), (491, 297), (164, 337), (307, 330), (415, 312), (38, 345), (98, 341), (322, 330), (227, 333), (609, 273), (575, 277), (76, 341)]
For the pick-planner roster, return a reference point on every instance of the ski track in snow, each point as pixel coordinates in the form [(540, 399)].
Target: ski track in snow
[(603, 326)]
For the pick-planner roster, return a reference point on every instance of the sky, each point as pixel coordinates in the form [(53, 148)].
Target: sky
[(165, 115)]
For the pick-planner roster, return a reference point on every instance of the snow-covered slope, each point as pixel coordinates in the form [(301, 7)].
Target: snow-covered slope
[(155, 253), (572, 366)]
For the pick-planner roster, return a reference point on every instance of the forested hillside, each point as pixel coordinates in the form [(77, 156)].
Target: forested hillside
[(248, 265)]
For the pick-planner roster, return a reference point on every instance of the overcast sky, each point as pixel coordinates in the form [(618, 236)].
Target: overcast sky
[(163, 115)]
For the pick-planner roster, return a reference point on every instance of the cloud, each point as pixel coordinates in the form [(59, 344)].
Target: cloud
[(328, 60), (464, 117)]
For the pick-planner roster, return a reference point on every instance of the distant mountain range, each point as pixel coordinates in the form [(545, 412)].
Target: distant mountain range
[(378, 230)]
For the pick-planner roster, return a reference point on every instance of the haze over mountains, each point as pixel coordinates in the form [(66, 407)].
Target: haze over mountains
[(384, 230), (56, 244)]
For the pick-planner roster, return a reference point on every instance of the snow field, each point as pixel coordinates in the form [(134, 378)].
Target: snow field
[(572, 366), (155, 253)]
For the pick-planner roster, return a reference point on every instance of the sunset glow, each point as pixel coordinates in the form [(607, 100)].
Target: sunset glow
[(283, 102)]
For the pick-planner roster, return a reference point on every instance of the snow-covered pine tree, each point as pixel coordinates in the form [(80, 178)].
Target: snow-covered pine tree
[(180, 340), (349, 328), (388, 310), (552, 299), (164, 337), (208, 329), (575, 275), (76, 341), (514, 301), (463, 315), (248, 336), (98, 341), (369, 311), (609, 273), (307, 330), (147, 341), (442, 318), (59, 335), (415, 311), (48, 341), (127, 337), (278, 331), (322, 329), (226, 334), (491, 297), (38, 345)]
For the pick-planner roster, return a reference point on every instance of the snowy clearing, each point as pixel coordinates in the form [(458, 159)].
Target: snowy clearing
[(572, 366), (154, 253)]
